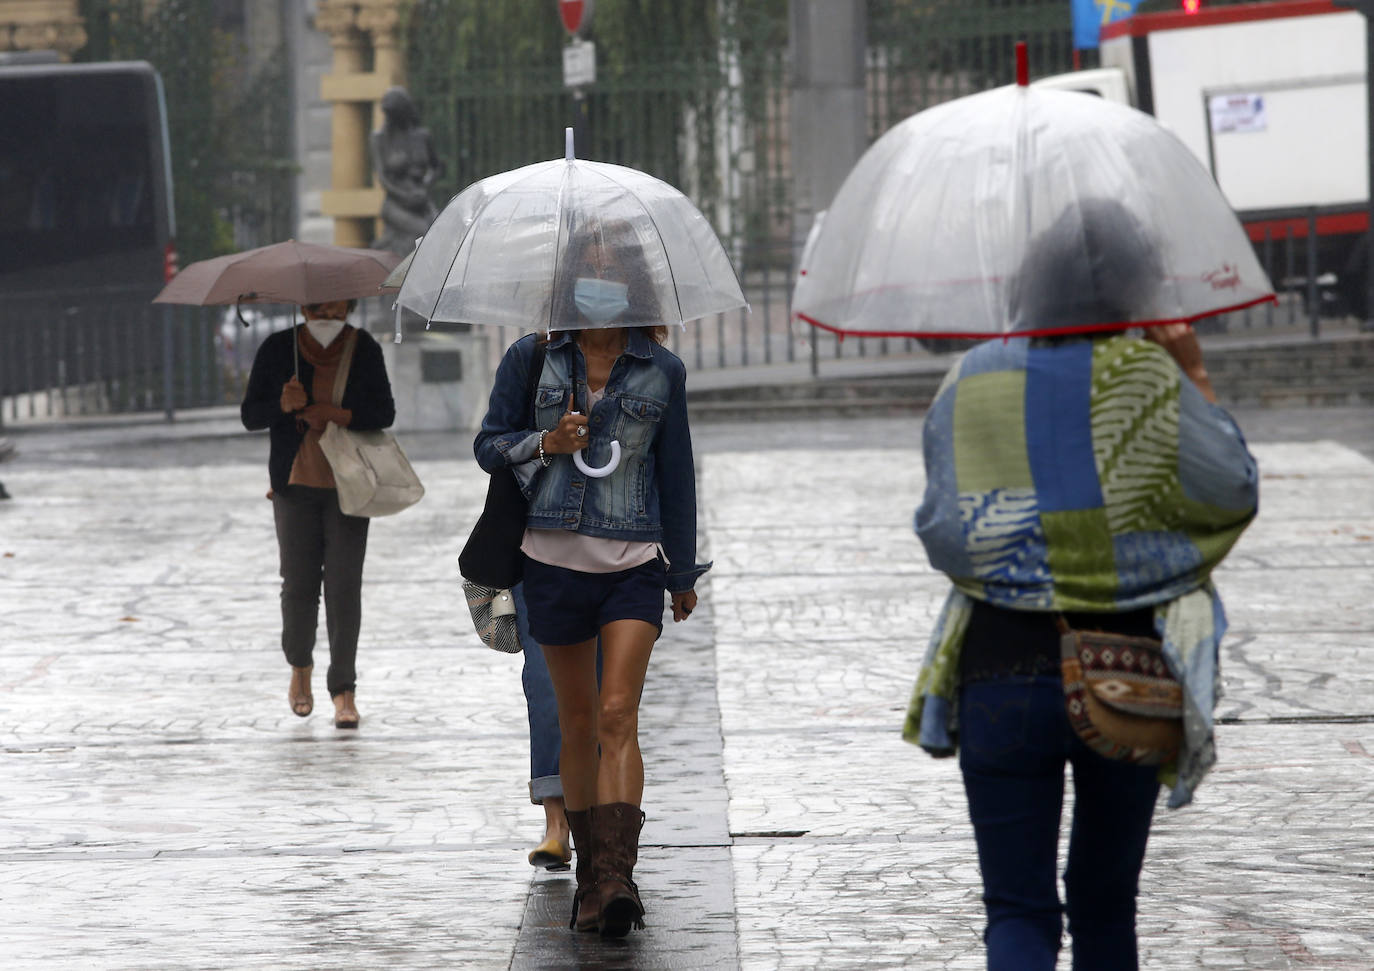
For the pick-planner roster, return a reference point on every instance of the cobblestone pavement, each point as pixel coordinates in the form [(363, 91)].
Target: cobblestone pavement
[(160, 807)]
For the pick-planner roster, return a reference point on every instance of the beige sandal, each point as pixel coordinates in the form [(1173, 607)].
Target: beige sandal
[(302, 701), (345, 713)]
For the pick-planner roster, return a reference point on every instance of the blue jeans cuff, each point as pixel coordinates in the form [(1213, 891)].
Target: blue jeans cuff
[(544, 787)]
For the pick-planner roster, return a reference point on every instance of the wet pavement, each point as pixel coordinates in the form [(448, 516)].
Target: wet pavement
[(161, 808)]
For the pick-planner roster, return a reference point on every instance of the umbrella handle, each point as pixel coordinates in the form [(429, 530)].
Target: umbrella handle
[(606, 469)]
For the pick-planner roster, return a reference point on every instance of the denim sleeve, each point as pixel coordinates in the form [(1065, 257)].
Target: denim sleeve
[(506, 438), (1214, 464), (677, 492)]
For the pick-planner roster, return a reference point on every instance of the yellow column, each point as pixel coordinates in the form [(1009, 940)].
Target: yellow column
[(381, 19), (356, 29), (349, 199), (31, 25)]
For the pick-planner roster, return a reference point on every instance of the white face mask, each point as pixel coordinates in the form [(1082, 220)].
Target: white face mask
[(324, 331), (601, 301)]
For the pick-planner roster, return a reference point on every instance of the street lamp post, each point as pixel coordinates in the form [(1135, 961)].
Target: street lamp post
[(1366, 7)]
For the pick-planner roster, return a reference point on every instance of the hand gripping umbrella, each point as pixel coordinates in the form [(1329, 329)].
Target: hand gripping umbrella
[(506, 250), (942, 227)]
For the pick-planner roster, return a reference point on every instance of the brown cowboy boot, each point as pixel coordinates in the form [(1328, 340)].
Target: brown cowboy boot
[(584, 912), (618, 904)]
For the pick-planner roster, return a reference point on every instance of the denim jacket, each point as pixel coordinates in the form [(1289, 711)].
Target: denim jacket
[(651, 496)]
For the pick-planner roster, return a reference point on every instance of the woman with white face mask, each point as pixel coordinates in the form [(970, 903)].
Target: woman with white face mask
[(603, 540), (291, 391)]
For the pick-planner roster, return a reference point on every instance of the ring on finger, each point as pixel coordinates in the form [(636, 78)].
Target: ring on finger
[(581, 431)]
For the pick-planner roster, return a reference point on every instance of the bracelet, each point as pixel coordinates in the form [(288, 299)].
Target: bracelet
[(543, 459)]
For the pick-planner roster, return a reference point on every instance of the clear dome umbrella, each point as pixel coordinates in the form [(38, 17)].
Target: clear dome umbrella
[(510, 250), (940, 228), (501, 250)]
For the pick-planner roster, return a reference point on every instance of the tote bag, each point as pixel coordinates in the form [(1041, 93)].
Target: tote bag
[(371, 471)]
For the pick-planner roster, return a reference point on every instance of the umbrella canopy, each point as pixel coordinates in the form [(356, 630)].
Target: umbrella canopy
[(397, 276), (289, 272), (526, 248), (1028, 211)]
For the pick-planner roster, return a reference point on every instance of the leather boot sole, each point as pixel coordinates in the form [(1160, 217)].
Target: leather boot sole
[(619, 915)]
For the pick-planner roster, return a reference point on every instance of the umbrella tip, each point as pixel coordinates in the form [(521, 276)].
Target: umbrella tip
[(1022, 65), (568, 144)]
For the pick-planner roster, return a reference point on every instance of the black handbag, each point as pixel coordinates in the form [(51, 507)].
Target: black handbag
[(491, 557)]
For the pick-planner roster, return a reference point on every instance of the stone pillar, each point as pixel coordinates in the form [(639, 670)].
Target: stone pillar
[(42, 25), (381, 19), (829, 121), (368, 59)]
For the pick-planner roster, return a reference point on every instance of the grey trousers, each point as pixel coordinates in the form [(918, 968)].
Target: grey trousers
[(319, 544)]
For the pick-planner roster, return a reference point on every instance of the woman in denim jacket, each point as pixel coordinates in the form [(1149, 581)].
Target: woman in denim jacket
[(600, 551)]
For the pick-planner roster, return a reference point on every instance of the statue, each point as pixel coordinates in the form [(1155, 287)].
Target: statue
[(405, 165)]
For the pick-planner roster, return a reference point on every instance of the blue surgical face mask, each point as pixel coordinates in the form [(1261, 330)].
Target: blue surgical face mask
[(600, 301)]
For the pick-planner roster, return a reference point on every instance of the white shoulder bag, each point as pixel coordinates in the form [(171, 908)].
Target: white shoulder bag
[(371, 472)]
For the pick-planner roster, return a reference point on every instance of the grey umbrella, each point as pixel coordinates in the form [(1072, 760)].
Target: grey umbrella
[(289, 272)]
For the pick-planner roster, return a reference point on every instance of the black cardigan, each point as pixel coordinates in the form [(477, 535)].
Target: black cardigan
[(367, 395)]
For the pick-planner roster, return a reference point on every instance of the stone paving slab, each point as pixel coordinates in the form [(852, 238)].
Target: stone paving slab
[(143, 721), (161, 808), (307, 911), (690, 925), (865, 857), (1280, 676)]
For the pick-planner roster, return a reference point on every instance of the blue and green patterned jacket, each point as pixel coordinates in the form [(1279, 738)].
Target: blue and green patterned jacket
[(1085, 475)]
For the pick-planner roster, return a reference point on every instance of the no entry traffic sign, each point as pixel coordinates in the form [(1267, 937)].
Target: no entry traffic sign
[(575, 14)]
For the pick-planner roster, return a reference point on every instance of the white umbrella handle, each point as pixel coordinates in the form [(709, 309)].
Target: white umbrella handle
[(606, 469)]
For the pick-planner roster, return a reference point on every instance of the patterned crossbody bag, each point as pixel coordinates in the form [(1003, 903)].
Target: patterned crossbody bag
[(1122, 699)]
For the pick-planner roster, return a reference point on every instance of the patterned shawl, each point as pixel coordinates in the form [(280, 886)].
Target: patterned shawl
[(1082, 475)]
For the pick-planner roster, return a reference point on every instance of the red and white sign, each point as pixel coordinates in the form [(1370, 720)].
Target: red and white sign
[(575, 14)]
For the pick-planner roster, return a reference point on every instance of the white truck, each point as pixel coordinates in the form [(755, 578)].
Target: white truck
[(1271, 97)]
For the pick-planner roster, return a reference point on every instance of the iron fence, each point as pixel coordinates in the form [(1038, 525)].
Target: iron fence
[(707, 111), (104, 351)]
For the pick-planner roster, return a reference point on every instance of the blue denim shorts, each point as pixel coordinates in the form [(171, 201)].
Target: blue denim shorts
[(569, 606)]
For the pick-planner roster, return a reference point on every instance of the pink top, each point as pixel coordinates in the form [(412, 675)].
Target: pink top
[(587, 554)]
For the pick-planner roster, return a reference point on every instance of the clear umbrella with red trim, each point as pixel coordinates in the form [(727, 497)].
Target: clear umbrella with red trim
[(939, 229)]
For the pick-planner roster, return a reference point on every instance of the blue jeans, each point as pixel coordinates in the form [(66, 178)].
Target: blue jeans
[(1014, 739), (546, 742)]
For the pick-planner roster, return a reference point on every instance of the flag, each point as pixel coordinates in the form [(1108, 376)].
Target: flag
[(1089, 16)]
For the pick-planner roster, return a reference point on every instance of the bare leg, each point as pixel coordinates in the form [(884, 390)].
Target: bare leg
[(555, 823), (625, 649), (572, 669)]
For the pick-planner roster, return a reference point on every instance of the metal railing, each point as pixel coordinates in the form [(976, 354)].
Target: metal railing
[(112, 351), (104, 351)]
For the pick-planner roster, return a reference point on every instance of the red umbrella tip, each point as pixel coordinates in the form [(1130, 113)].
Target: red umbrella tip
[(1022, 65)]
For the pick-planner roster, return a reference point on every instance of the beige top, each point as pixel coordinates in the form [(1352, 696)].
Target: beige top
[(587, 554)]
